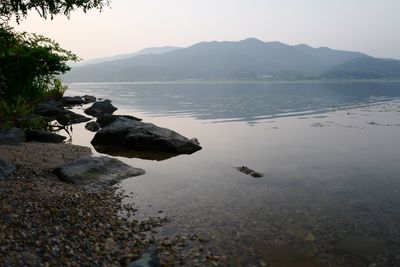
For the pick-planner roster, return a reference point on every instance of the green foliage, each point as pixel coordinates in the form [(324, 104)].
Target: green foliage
[(47, 8), (57, 90), (18, 108), (12, 112), (29, 63), (20, 114)]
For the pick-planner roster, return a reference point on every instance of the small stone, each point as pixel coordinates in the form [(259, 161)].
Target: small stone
[(92, 126), (110, 245)]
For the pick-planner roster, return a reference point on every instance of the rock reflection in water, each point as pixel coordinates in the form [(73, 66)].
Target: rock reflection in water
[(129, 153)]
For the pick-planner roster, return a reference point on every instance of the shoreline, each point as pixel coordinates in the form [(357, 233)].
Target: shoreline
[(246, 82), (47, 222)]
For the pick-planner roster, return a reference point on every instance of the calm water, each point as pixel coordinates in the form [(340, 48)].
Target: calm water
[(330, 195)]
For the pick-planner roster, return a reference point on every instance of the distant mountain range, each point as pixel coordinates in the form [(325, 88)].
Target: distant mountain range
[(249, 59), (150, 50)]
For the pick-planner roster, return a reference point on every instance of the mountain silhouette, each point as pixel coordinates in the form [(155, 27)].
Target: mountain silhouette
[(249, 59)]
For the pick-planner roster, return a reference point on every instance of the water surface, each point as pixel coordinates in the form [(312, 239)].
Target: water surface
[(329, 152)]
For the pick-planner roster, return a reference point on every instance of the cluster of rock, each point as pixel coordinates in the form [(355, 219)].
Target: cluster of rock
[(113, 132), (92, 173), (58, 110)]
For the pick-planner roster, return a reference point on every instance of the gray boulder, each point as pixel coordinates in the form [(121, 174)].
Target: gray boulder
[(55, 103), (5, 169), (67, 117), (73, 100), (92, 126), (106, 119), (11, 136), (47, 109), (136, 135), (96, 172), (101, 108), (63, 116), (89, 99), (44, 136)]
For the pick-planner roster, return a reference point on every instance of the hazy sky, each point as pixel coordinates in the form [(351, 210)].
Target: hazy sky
[(370, 26)]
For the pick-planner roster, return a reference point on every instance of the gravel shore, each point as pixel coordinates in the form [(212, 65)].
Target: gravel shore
[(46, 222)]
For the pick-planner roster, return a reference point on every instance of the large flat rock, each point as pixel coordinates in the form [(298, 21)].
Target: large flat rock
[(96, 172), (140, 136)]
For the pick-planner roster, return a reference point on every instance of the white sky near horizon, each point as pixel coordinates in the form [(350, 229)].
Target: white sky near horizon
[(369, 26)]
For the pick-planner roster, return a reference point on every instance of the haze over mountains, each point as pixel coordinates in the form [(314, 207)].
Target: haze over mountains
[(150, 50), (249, 59)]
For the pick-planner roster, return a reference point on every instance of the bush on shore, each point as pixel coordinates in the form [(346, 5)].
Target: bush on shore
[(29, 68)]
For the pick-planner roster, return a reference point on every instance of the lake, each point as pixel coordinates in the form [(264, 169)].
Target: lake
[(329, 152)]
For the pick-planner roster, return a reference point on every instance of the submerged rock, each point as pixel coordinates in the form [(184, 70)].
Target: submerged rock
[(300, 232), (96, 172), (106, 119), (11, 136), (44, 136), (101, 108), (136, 135), (92, 126), (249, 171), (5, 169), (149, 258)]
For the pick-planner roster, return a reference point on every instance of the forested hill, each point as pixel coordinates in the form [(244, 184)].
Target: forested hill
[(249, 59)]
